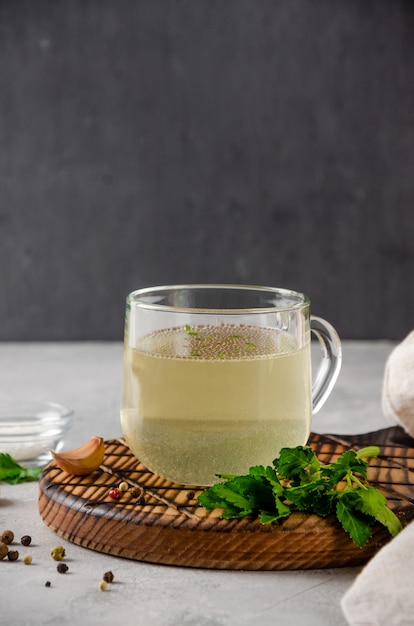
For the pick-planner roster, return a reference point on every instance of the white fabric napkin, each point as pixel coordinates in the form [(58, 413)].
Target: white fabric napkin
[(383, 593), (398, 385)]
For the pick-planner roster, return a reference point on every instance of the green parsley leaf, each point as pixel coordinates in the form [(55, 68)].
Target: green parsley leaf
[(346, 465), (356, 524), (299, 464), (282, 510), (11, 472), (268, 473), (373, 502), (313, 497)]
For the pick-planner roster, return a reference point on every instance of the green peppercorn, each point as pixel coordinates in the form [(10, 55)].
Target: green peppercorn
[(58, 553)]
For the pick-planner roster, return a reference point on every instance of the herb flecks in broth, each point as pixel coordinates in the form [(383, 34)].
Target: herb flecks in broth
[(226, 343)]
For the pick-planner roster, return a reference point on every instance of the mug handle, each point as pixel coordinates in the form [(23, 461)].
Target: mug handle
[(330, 365)]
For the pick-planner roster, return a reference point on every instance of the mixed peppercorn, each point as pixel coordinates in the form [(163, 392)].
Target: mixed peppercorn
[(58, 553), (6, 539), (136, 492)]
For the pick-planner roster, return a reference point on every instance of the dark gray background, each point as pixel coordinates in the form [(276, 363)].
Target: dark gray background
[(251, 141)]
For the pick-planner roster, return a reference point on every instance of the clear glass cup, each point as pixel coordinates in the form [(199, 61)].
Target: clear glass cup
[(217, 378)]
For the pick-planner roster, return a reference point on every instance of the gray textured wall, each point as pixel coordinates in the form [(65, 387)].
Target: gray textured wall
[(252, 141)]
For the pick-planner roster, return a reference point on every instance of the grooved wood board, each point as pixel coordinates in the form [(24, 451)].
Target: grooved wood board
[(168, 526)]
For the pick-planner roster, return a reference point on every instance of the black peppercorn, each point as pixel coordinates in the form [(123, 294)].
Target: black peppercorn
[(108, 577), (62, 568), (48, 583), (135, 492), (26, 540), (12, 555)]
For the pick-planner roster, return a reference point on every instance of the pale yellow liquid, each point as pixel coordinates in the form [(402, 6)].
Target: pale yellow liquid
[(208, 400)]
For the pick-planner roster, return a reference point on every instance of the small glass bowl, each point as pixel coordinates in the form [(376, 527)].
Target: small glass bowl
[(28, 430)]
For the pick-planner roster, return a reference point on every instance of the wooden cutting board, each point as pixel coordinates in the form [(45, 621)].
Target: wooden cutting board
[(167, 525)]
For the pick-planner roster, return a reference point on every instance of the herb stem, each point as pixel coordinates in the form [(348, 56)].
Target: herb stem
[(351, 478)]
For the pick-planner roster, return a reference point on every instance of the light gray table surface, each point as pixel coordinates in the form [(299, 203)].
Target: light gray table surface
[(87, 377)]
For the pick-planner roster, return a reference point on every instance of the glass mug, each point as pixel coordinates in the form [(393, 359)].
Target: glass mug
[(217, 378)]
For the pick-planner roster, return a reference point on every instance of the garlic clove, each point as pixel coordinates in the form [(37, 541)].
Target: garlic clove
[(82, 460)]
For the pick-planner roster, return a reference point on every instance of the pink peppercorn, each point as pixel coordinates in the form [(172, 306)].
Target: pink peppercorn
[(115, 493)]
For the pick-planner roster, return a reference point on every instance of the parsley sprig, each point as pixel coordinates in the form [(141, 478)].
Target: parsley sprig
[(13, 473), (298, 481)]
